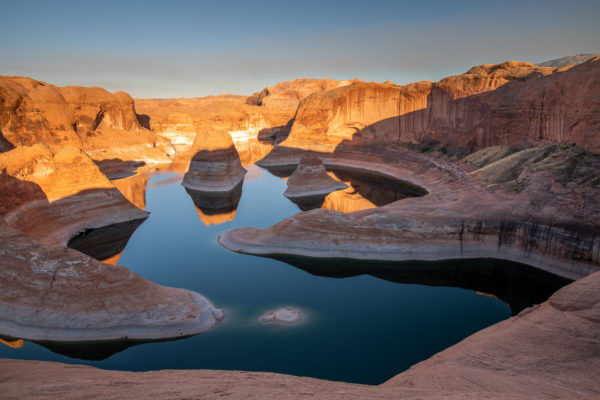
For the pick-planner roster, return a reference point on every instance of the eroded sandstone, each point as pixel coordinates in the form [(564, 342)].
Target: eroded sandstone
[(460, 217), (264, 114), (59, 294), (50, 292), (215, 166), (505, 104), (311, 180), (103, 124)]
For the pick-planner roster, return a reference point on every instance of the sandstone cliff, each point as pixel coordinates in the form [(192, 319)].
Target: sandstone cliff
[(60, 173), (505, 104), (104, 125), (242, 116)]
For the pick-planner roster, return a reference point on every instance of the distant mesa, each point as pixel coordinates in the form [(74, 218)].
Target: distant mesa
[(568, 60), (284, 315)]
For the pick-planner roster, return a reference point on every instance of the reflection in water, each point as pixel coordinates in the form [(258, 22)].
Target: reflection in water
[(368, 191), (12, 343), (364, 190), (308, 202), (252, 150), (105, 242), (133, 188), (518, 285), (112, 260), (95, 350), (214, 208)]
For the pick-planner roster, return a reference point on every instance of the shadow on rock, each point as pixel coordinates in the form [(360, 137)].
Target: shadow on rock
[(105, 242)]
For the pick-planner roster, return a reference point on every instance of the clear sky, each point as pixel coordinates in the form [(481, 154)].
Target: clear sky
[(176, 48)]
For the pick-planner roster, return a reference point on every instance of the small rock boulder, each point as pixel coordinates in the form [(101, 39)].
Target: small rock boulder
[(311, 180), (286, 315)]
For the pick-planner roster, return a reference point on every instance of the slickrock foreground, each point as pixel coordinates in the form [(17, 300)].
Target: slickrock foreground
[(311, 180), (55, 293), (551, 351)]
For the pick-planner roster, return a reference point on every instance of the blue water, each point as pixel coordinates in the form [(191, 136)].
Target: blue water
[(358, 329)]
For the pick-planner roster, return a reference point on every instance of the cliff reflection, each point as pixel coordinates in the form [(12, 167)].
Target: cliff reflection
[(364, 190), (252, 150), (518, 285), (94, 350), (214, 208), (12, 343)]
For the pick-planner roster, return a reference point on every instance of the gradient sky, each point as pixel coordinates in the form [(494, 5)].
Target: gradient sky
[(195, 48)]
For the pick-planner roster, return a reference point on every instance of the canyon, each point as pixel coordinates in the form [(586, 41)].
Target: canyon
[(500, 162)]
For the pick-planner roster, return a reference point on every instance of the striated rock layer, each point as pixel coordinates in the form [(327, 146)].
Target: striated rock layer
[(263, 114), (50, 292), (215, 166), (310, 179), (540, 214), (548, 351), (58, 294), (67, 194), (103, 124), (505, 104)]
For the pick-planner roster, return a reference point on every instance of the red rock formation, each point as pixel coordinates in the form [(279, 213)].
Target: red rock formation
[(544, 213), (311, 180), (216, 165), (104, 125), (505, 104), (60, 173), (242, 116), (50, 292), (54, 293)]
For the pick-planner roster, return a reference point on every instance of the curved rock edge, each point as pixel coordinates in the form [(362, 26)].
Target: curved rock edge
[(225, 187), (376, 252), (205, 321)]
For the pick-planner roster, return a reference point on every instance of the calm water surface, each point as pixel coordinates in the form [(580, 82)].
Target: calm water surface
[(358, 329)]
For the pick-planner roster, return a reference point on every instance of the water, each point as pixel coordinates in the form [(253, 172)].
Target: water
[(357, 329)]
